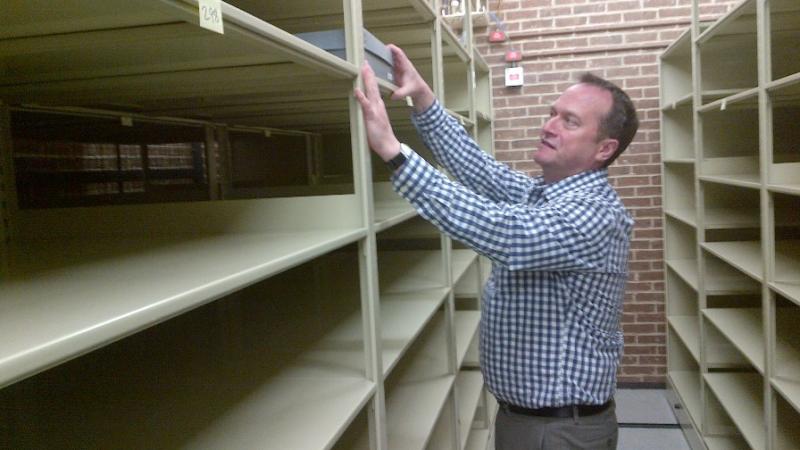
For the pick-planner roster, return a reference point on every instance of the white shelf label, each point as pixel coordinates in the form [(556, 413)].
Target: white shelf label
[(211, 15)]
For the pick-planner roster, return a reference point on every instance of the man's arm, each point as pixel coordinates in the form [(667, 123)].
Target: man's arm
[(457, 151), (572, 235), (450, 143)]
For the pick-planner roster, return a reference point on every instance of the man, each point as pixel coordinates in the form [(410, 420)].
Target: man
[(549, 334)]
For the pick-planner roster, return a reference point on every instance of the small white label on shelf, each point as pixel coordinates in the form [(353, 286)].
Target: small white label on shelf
[(126, 121), (211, 15)]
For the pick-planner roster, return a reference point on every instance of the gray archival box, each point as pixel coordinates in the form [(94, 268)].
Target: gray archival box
[(377, 55)]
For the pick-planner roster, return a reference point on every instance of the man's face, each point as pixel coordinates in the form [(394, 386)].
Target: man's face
[(569, 139)]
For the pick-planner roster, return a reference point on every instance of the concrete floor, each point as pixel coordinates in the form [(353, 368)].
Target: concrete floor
[(646, 421)]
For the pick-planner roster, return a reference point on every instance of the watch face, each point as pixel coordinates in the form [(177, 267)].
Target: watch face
[(397, 161)]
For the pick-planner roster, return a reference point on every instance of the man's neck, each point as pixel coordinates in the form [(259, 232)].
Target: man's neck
[(550, 177)]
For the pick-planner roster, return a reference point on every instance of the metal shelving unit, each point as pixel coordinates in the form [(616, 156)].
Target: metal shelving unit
[(731, 225), (251, 314)]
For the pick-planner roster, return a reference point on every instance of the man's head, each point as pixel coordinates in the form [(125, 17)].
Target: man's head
[(590, 124)]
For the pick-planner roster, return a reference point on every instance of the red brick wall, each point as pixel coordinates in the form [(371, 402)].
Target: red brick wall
[(619, 40)]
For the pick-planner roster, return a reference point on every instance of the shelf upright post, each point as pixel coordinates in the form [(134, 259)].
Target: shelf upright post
[(471, 78), (697, 101), (768, 316), (446, 242), (8, 190), (368, 247)]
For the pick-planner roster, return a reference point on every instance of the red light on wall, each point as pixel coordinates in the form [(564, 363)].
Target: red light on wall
[(513, 56), (497, 36)]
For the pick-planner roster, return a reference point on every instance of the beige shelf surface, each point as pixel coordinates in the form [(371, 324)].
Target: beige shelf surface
[(741, 394), (788, 290), (688, 329), (787, 348), (712, 95), (743, 327), (745, 98), (478, 439), (480, 63), (718, 218), (787, 262), (785, 89), (69, 296), (789, 389), (469, 385), (403, 317), (686, 269), (452, 46), (677, 160), (416, 228), (270, 419), (466, 329), (747, 180), (462, 260), (418, 389), (725, 443), (470, 285), (785, 178), (455, 86), (687, 384), (152, 55), (412, 409), (389, 214), (680, 48), (739, 171), (740, 20), (679, 101), (266, 401), (676, 72), (723, 279), (745, 256), (685, 215), (410, 271), (390, 208)]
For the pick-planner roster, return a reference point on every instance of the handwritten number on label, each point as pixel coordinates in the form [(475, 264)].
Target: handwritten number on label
[(211, 14)]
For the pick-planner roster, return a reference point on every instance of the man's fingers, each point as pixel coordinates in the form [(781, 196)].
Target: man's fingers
[(401, 92), (398, 56), (370, 83), (362, 99)]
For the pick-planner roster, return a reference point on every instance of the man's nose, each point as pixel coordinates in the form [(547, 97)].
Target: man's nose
[(549, 126)]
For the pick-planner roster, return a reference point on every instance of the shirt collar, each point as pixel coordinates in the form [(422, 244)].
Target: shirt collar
[(584, 180)]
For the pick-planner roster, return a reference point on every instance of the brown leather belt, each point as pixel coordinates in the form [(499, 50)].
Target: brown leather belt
[(559, 411)]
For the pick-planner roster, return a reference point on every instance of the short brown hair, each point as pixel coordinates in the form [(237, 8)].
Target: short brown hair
[(621, 122)]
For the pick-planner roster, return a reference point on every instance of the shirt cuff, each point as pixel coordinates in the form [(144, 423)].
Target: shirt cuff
[(429, 119), (413, 177)]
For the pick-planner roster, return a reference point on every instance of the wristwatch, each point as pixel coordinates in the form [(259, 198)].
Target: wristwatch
[(398, 161)]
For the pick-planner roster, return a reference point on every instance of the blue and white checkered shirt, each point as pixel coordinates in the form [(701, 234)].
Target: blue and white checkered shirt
[(549, 333)]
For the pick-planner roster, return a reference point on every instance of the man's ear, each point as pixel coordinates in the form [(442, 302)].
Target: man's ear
[(606, 150)]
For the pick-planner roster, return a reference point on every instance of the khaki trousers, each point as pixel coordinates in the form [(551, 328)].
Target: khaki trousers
[(523, 432)]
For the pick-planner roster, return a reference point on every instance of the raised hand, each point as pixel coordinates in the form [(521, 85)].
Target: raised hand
[(380, 135), (409, 82)]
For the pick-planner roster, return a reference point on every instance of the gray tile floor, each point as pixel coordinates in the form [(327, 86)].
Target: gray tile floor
[(646, 421)]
